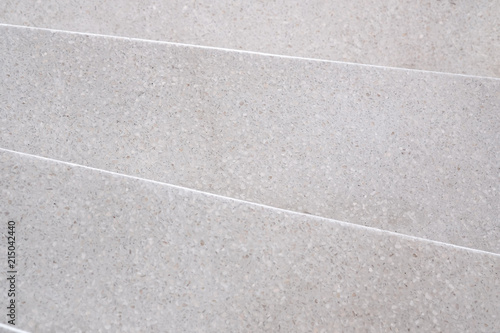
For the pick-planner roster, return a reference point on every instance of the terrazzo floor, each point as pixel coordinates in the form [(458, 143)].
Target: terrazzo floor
[(256, 167)]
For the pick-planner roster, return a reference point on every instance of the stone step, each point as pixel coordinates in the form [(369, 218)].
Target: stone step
[(402, 150), (446, 36), (101, 252)]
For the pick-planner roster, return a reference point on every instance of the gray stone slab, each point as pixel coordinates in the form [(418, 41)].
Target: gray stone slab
[(458, 36), (405, 151), (100, 252)]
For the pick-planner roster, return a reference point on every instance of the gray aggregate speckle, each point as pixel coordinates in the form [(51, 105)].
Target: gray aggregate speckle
[(100, 252), (446, 36), (405, 151), (415, 153)]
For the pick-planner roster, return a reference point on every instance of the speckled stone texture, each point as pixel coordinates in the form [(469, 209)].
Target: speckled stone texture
[(459, 36), (405, 151), (101, 252)]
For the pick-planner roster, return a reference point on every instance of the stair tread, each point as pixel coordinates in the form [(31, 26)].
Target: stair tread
[(453, 36), (97, 244), (406, 151)]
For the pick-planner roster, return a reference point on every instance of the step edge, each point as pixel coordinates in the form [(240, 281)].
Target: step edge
[(214, 48), (12, 328), (246, 202)]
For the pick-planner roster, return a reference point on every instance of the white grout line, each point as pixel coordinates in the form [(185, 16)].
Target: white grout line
[(12, 328), (135, 39), (347, 224)]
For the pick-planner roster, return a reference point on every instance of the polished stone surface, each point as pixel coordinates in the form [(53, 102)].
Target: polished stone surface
[(457, 36), (100, 252), (405, 151)]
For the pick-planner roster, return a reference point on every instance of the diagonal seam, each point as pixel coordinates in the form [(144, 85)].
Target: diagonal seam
[(143, 40), (326, 219)]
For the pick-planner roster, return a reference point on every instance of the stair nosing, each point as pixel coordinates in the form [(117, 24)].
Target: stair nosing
[(246, 202), (248, 52), (12, 329)]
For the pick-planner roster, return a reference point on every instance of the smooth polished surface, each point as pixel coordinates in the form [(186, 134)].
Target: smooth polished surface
[(405, 151), (458, 36), (101, 252)]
